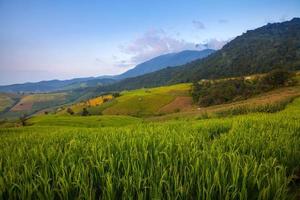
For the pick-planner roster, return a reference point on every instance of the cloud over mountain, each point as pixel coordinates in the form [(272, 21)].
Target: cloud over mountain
[(153, 43)]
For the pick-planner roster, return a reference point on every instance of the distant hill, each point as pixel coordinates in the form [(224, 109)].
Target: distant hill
[(261, 50), (154, 64), (163, 61), (54, 85)]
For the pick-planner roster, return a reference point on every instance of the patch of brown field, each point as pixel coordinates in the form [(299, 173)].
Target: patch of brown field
[(178, 104), (22, 106), (266, 98)]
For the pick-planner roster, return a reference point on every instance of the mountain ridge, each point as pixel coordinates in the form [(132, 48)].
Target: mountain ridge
[(260, 50), (154, 64)]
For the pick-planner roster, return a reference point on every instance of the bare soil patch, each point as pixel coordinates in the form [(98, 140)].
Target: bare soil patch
[(178, 104), (22, 106)]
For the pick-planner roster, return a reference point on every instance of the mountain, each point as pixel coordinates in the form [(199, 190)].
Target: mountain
[(54, 85), (163, 61), (261, 50), (154, 64)]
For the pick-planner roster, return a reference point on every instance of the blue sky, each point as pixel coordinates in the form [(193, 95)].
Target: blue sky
[(57, 39)]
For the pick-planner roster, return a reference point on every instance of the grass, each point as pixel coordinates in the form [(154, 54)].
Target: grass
[(146, 102), (243, 109), (254, 156), (79, 121)]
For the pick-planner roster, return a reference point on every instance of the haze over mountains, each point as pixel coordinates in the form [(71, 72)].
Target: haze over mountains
[(154, 64)]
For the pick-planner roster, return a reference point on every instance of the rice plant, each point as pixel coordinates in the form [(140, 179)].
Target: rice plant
[(251, 156)]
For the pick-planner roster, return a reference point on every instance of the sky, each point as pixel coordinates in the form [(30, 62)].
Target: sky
[(60, 39)]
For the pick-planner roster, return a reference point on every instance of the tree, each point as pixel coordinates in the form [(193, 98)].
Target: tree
[(85, 112), (195, 92), (116, 94), (23, 119), (276, 78), (70, 111), (105, 100)]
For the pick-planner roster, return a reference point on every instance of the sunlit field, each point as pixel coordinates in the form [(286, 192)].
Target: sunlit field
[(253, 155)]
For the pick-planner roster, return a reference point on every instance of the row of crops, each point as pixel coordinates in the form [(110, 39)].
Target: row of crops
[(255, 156)]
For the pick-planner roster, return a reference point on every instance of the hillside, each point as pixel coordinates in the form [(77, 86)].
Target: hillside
[(178, 99), (257, 51), (16, 105), (7, 101)]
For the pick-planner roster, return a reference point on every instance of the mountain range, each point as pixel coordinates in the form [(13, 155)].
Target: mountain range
[(269, 47), (272, 46), (154, 64)]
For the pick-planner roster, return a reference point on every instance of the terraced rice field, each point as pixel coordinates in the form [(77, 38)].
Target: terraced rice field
[(254, 156), (38, 101), (6, 101), (146, 102)]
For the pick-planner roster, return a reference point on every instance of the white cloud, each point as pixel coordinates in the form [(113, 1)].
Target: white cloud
[(156, 42), (198, 25), (153, 43), (213, 44)]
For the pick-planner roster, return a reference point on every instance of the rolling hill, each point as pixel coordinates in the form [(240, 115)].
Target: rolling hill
[(55, 85)]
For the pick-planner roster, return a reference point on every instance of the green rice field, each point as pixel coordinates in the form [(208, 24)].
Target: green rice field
[(254, 156)]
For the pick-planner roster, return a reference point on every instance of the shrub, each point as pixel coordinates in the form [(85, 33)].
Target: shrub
[(276, 78), (23, 119), (85, 112), (116, 94), (177, 110), (70, 111)]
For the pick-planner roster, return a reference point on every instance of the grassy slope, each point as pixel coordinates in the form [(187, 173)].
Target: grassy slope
[(232, 158), (6, 101), (38, 101), (145, 102), (175, 101), (91, 104), (32, 103), (272, 98)]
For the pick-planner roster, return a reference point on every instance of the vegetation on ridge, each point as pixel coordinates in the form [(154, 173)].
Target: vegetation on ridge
[(208, 92)]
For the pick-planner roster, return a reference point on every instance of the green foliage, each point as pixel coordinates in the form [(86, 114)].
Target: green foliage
[(116, 94), (23, 119), (244, 157), (7, 101), (208, 93), (83, 121), (70, 111), (276, 78), (85, 112), (266, 108)]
